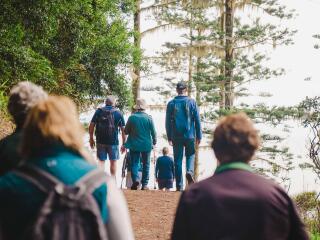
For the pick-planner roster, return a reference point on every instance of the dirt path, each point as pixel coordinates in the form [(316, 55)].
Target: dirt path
[(152, 213)]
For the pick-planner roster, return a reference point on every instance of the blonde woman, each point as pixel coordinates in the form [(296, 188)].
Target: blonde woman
[(22, 98), (52, 142)]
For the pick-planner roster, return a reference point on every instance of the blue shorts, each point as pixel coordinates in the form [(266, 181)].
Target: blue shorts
[(165, 183), (110, 152)]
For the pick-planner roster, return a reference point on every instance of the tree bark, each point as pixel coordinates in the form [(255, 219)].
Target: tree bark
[(190, 55), (196, 159), (229, 58), (222, 93), (137, 43)]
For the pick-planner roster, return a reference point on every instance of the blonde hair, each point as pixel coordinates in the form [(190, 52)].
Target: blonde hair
[(235, 139), (53, 121), (165, 151)]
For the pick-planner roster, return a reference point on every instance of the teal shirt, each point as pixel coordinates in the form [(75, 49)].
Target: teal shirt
[(20, 200), (141, 131), (9, 155)]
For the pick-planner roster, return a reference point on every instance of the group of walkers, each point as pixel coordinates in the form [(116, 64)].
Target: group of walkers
[(50, 188), (183, 129)]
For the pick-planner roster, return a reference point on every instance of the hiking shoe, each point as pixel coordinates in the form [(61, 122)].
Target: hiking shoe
[(189, 178), (134, 186), (145, 188)]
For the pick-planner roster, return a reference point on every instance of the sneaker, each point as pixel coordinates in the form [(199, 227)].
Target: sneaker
[(145, 188), (189, 178), (134, 186), (179, 190)]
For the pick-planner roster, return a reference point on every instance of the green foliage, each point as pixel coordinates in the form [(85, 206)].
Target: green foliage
[(310, 115), (77, 48), (309, 207), (315, 236)]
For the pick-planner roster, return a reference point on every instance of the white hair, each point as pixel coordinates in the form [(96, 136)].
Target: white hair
[(22, 98)]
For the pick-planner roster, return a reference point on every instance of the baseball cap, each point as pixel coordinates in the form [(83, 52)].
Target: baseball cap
[(181, 85)]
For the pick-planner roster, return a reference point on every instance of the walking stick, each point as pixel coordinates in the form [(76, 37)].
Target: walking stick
[(154, 162), (124, 166)]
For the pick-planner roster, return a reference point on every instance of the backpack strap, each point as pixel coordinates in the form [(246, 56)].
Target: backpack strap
[(92, 180), (43, 180)]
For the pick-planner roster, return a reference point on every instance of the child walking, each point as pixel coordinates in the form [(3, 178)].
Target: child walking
[(165, 170)]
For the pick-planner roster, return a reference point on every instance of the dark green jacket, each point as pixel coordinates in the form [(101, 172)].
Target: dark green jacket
[(9, 155), (20, 200), (141, 131)]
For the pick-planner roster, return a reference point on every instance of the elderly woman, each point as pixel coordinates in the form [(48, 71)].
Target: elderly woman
[(141, 138), (236, 203), (22, 98), (52, 143)]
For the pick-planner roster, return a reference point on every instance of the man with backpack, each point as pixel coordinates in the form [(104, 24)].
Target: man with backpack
[(106, 122), (183, 131)]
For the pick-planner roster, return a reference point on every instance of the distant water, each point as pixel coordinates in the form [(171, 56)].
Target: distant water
[(301, 180)]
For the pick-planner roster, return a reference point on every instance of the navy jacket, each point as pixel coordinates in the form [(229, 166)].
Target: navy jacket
[(194, 128), (165, 168)]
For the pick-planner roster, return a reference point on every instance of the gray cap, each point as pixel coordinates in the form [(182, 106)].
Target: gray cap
[(181, 85)]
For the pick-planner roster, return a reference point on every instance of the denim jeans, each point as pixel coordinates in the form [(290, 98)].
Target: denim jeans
[(178, 146), (136, 157)]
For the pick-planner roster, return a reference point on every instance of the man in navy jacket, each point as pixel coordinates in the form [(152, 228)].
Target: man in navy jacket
[(183, 131)]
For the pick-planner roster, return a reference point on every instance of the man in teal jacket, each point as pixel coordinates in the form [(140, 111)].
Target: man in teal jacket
[(142, 137)]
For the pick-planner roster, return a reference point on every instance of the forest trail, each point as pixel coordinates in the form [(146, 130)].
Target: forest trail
[(152, 213)]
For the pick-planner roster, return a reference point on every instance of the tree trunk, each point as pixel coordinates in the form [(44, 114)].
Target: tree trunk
[(222, 93), (229, 85), (196, 160), (137, 44), (190, 56)]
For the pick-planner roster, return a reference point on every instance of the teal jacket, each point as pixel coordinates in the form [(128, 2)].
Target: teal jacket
[(141, 131), (20, 200), (9, 155)]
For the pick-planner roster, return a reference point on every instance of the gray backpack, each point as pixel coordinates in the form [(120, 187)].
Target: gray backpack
[(69, 212)]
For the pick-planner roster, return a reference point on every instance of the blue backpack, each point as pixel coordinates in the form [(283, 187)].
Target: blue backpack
[(181, 117)]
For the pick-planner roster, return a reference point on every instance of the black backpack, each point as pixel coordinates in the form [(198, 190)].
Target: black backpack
[(69, 212), (105, 125)]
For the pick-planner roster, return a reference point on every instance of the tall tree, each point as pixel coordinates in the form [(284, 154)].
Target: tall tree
[(139, 11), (78, 48)]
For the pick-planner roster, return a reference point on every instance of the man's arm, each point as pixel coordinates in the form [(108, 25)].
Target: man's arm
[(123, 134), (153, 132), (124, 138), (91, 131), (127, 128), (169, 123), (197, 124)]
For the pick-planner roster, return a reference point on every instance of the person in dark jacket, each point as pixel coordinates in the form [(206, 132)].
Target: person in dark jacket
[(53, 141), (165, 170), (141, 139), (236, 203), (183, 130), (22, 98), (108, 144)]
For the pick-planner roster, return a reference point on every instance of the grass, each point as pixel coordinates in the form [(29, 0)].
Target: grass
[(315, 236)]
